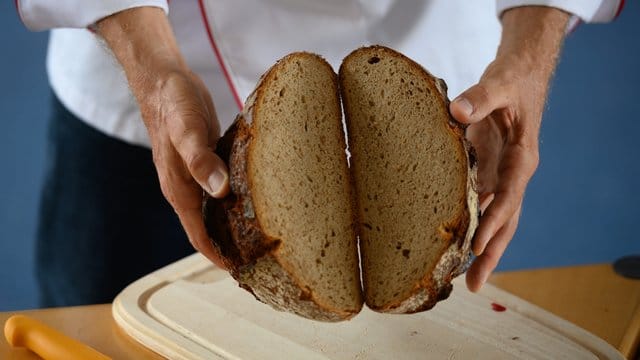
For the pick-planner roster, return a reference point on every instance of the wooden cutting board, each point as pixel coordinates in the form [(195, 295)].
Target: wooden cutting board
[(193, 310)]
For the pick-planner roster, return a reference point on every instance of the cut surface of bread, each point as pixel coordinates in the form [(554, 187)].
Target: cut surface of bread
[(287, 233), (414, 180)]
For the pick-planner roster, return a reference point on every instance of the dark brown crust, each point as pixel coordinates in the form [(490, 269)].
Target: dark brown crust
[(231, 221), (233, 225), (456, 255)]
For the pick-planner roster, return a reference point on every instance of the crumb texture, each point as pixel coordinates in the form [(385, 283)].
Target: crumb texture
[(299, 180), (410, 170)]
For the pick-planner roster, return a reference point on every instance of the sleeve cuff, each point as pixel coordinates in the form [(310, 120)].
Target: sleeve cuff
[(38, 15), (588, 11)]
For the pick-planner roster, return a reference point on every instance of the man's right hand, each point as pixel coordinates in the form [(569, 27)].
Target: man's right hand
[(177, 111), (504, 113)]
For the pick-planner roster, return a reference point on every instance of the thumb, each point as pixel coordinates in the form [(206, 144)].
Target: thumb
[(203, 164), (478, 102)]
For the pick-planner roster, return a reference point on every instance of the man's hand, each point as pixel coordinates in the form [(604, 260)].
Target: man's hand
[(177, 111), (504, 111)]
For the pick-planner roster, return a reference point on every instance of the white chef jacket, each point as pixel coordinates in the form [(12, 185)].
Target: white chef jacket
[(230, 43)]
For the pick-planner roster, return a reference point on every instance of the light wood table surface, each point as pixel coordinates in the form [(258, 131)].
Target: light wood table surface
[(592, 297)]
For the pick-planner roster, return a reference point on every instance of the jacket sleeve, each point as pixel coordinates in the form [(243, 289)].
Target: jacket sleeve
[(46, 14), (589, 11)]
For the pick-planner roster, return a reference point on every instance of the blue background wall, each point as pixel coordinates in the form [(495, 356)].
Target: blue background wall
[(580, 206), (24, 100)]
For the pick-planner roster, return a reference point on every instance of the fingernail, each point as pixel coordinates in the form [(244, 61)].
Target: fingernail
[(478, 247), (216, 182), (464, 105), (477, 251)]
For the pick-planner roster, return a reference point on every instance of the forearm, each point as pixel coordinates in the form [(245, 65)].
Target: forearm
[(178, 113), (532, 37), (142, 41)]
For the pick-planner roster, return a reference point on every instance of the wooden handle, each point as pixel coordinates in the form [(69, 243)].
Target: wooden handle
[(50, 344)]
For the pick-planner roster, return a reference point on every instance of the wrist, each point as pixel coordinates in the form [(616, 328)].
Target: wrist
[(532, 38), (142, 41)]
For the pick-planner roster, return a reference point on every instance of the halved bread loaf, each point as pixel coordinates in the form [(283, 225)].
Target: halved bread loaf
[(414, 176), (287, 232)]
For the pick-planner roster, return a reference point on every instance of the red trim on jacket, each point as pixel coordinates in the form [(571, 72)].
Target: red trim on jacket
[(219, 56), (574, 26), (619, 9), (17, 4)]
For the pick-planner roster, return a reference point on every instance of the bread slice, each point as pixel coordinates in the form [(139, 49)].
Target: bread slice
[(414, 177), (287, 231)]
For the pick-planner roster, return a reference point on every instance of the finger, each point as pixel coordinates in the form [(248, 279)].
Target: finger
[(488, 142), (484, 264), (185, 196), (518, 167), (477, 102), (191, 219), (190, 137), (485, 200)]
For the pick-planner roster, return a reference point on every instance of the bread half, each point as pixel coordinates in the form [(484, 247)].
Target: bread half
[(414, 176), (287, 231)]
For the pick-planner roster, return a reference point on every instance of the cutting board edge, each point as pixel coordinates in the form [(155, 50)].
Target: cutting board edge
[(595, 344), (133, 318)]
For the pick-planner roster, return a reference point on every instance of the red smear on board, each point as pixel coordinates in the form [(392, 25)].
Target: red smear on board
[(498, 307)]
